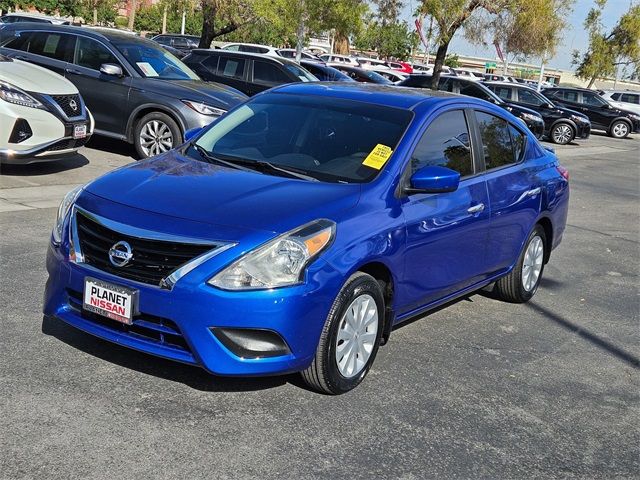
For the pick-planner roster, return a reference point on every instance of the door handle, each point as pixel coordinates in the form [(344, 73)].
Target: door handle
[(73, 71), (476, 209), (533, 192), (21, 57)]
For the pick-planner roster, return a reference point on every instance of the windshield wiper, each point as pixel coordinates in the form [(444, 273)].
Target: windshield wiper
[(264, 166), (209, 158)]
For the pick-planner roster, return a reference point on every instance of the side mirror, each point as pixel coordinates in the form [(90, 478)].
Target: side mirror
[(434, 179), (111, 69), (189, 134)]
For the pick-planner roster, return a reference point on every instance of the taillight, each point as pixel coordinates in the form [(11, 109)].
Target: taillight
[(564, 172)]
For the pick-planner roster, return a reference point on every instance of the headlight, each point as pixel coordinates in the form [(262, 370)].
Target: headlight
[(63, 210), (280, 262), (579, 119), (12, 94), (204, 109), (531, 118), (635, 117)]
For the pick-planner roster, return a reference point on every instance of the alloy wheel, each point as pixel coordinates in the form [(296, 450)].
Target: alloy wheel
[(532, 264), (620, 130), (155, 138), (562, 134), (356, 335)]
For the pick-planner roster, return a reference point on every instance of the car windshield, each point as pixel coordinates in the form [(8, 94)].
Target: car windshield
[(332, 140), (152, 61), (375, 77), (301, 73)]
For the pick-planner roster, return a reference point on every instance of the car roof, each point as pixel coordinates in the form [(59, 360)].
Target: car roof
[(509, 84), (255, 56), (99, 33), (382, 95), (577, 89)]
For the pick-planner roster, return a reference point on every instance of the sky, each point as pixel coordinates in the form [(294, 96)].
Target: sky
[(575, 37)]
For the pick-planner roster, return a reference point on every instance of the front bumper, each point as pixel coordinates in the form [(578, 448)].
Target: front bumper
[(583, 130), (536, 127), (177, 324), (51, 137)]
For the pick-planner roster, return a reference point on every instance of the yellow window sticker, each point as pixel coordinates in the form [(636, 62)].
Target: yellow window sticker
[(378, 156)]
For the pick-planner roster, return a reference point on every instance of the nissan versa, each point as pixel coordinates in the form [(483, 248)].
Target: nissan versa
[(294, 232)]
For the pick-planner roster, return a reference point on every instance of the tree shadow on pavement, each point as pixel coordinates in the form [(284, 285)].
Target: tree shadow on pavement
[(45, 168), (192, 376), (111, 145)]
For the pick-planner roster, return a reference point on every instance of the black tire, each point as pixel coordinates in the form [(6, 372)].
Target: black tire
[(562, 133), (619, 129), (511, 288), (160, 119), (323, 374)]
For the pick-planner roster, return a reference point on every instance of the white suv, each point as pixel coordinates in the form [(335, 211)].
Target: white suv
[(623, 99), (42, 115)]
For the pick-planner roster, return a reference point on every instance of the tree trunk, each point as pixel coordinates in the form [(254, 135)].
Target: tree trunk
[(439, 62), (164, 19), (95, 14), (208, 23), (132, 13), (592, 81)]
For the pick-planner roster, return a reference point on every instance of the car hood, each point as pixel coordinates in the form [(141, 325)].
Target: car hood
[(214, 94), (177, 186), (33, 78), (518, 109)]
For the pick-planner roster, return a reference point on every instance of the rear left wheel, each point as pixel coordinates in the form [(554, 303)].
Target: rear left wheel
[(350, 338), (523, 281)]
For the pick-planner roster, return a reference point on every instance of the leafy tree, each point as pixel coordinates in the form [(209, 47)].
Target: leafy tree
[(220, 17), (449, 16), (452, 61), (393, 40), (388, 10), (607, 51), (522, 29)]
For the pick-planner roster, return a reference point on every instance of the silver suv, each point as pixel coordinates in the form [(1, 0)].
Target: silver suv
[(624, 99)]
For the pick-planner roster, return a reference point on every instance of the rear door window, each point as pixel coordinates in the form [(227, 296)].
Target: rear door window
[(502, 92), (629, 98), (445, 143), (593, 99), (58, 46), (231, 67), (570, 96), (503, 144)]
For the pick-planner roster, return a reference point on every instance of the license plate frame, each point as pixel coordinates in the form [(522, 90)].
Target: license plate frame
[(79, 131), (110, 300)]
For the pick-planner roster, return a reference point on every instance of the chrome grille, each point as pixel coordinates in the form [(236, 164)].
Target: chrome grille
[(153, 260), (66, 103)]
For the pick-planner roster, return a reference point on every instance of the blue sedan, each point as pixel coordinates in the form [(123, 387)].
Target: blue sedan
[(296, 231)]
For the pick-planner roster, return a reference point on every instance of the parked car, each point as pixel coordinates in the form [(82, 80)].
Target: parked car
[(623, 99), (182, 43), (360, 74), (248, 72), (468, 74), (617, 122), (531, 118), (324, 72), (403, 67), (291, 54), (393, 76), (251, 48), (561, 125), (297, 230), (136, 91), (372, 63), (33, 18), (341, 59), (42, 115)]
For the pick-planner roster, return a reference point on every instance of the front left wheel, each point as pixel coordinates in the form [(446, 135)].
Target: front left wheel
[(156, 133), (562, 133), (350, 338), (619, 129)]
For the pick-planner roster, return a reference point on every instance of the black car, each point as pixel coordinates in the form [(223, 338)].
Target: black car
[(361, 75), (561, 125), (604, 116), (135, 90), (182, 43), (32, 18), (325, 73), (472, 88), (250, 73)]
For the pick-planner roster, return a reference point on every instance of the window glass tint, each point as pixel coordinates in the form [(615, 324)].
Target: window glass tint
[(446, 144), (502, 92), (496, 140), (51, 45), (529, 97), (570, 96), (627, 97), (92, 54), (151, 60), (474, 90), (264, 72), (252, 49), (162, 40), (211, 62), (326, 138), (231, 67), (233, 48), (180, 42), (593, 99), (615, 96), (519, 142)]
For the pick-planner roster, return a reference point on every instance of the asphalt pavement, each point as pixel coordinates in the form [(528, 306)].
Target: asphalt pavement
[(480, 389)]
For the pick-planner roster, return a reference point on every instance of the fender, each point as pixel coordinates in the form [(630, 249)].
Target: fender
[(152, 106)]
